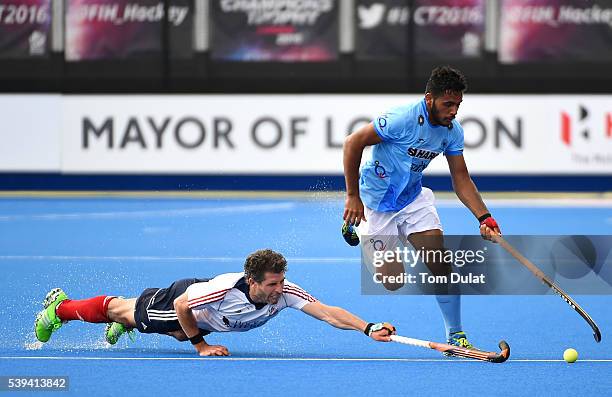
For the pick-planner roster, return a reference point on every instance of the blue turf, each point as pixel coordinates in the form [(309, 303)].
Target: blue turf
[(118, 246)]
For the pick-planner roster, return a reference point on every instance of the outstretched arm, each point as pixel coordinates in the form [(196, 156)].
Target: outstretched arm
[(190, 327), (468, 194), (343, 319)]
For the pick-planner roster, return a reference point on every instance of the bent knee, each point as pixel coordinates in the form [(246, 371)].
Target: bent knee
[(121, 310)]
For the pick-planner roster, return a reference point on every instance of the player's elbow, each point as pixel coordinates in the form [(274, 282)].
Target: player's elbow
[(325, 313), (349, 143), (355, 142), (180, 303), (333, 316)]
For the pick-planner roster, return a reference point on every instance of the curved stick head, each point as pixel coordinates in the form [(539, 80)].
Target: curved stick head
[(503, 355), (597, 335)]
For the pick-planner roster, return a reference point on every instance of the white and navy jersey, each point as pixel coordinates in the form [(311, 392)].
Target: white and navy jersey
[(223, 304), (391, 179)]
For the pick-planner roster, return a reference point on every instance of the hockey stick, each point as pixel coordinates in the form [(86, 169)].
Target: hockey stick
[(458, 351), (542, 277)]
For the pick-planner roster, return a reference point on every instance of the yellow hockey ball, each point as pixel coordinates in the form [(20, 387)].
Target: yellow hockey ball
[(570, 355)]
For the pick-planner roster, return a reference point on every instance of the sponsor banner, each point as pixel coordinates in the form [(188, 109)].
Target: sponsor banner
[(382, 29), (25, 28), (449, 29), (30, 133), (555, 30), (280, 134), (470, 265), (286, 31), (98, 29)]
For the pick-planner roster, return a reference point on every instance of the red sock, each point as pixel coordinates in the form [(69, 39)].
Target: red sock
[(92, 310)]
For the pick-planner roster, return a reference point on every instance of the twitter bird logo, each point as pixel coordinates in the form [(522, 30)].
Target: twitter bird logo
[(370, 17)]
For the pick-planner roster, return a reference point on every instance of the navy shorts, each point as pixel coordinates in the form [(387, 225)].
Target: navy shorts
[(154, 312)]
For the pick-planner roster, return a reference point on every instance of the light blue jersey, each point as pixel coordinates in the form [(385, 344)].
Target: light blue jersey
[(391, 179)]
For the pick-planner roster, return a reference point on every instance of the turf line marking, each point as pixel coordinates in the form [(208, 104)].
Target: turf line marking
[(230, 209), (173, 259), (272, 194), (280, 359)]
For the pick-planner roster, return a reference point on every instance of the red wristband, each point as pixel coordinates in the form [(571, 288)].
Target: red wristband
[(490, 222)]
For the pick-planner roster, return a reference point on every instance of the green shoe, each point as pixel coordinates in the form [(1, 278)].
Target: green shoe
[(350, 235), (113, 332), (459, 339), (47, 320)]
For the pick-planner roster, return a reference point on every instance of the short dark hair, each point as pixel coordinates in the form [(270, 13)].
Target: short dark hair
[(444, 79), (262, 261)]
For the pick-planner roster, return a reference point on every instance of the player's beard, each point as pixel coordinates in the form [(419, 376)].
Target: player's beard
[(435, 114), (273, 299)]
